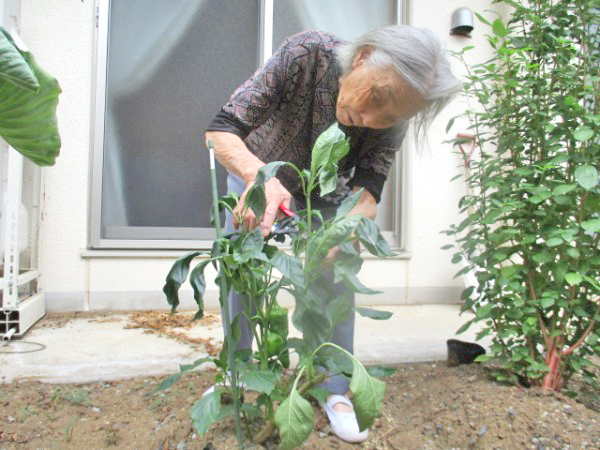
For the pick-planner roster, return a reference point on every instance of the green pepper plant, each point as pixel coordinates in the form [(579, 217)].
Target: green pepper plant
[(531, 235), (259, 269)]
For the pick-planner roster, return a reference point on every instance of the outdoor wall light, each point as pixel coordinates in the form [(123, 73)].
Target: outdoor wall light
[(462, 22)]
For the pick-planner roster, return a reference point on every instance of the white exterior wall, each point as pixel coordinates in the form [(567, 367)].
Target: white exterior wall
[(60, 33)]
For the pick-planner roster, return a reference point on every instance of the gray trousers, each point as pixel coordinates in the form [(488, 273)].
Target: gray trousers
[(343, 333)]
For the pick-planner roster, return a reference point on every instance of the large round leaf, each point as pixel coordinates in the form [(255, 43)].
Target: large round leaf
[(28, 100)]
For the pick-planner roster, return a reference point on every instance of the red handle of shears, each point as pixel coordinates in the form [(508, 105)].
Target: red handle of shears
[(288, 212)]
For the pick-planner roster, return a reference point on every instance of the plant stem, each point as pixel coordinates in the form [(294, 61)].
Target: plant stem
[(312, 382), (585, 334), (224, 293), (307, 194)]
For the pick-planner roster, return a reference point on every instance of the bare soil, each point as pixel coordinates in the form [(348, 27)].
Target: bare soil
[(427, 406)]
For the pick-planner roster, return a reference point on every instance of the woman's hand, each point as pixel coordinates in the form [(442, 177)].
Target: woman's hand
[(232, 153), (275, 195)]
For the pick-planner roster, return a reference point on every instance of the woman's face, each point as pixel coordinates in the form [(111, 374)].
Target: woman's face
[(375, 98)]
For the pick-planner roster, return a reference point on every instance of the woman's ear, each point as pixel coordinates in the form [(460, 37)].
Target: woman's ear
[(361, 56)]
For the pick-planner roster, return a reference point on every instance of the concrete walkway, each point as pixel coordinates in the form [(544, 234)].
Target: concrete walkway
[(101, 347)]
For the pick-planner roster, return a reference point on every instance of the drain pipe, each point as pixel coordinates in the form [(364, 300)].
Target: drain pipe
[(9, 334)]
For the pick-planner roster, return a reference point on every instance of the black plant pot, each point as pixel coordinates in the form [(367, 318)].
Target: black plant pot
[(460, 352)]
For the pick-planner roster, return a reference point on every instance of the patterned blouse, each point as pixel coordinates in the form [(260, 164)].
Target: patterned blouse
[(282, 109)]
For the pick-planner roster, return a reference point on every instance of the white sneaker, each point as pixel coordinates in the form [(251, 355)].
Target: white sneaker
[(344, 424)]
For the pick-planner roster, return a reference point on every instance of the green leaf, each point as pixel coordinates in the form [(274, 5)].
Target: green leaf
[(535, 200), (553, 242), (28, 99), (335, 360), (198, 362), (229, 201), (483, 19), (314, 323), (295, 420), (450, 123), (547, 302), (328, 178), (252, 241), (289, 266), (327, 237), (586, 176), (168, 382), (176, 277), (543, 257), (563, 189), (509, 271), (380, 371), (367, 395), (514, 4), (523, 171), (339, 150), (206, 411), (226, 411), (484, 311), (321, 151), (346, 264), (462, 271), (568, 235), (465, 327), (370, 236), (348, 203), (260, 380), (592, 281), (374, 313), (13, 66), (256, 200), (498, 28), (583, 133), (573, 278), (467, 293), (352, 282), (330, 147), (266, 172), (172, 379), (592, 225), (563, 200), (199, 285), (318, 393), (339, 309)]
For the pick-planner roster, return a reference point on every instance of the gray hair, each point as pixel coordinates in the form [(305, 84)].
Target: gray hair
[(416, 54)]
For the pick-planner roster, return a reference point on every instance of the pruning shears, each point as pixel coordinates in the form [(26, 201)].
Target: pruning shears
[(287, 225)]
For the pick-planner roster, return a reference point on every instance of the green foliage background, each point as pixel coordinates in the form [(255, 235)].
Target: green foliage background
[(532, 229)]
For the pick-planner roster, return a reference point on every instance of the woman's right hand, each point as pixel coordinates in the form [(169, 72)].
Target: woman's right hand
[(275, 195)]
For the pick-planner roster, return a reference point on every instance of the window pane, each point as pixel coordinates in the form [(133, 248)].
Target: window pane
[(171, 67), (347, 19)]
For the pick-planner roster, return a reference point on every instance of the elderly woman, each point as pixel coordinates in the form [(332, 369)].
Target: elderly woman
[(372, 87)]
